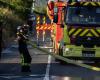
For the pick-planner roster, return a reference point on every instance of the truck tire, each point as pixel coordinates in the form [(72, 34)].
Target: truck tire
[(98, 45)]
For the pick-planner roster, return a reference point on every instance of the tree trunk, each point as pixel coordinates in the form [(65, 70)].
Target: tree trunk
[(0, 38)]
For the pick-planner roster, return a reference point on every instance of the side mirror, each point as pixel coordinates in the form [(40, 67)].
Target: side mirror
[(55, 20), (50, 5)]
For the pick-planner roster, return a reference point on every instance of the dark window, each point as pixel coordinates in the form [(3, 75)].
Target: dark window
[(83, 15)]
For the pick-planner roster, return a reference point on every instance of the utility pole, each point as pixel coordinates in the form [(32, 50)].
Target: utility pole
[(33, 6)]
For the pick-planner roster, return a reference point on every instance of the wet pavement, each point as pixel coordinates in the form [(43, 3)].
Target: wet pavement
[(42, 68), (50, 78)]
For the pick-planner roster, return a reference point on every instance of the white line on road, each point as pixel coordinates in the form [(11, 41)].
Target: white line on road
[(20, 75), (48, 68)]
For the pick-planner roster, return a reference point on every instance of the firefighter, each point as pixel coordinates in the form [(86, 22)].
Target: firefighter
[(22, 42)]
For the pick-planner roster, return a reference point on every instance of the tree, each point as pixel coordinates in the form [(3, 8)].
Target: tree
[(0, 38)]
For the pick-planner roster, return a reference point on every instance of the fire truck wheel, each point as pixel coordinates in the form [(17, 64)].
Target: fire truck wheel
[(97, 62), (98, 45)]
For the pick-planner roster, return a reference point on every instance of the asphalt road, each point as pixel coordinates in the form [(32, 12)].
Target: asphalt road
[(43, 67)]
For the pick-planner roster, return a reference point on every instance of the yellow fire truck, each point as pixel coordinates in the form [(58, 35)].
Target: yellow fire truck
[(77, 30)]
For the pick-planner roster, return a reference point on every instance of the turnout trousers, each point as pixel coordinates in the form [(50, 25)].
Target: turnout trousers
[(25, 59)]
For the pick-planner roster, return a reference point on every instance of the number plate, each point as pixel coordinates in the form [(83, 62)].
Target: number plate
[(88, 53)]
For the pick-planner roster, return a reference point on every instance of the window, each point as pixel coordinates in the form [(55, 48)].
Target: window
[(83, 15)]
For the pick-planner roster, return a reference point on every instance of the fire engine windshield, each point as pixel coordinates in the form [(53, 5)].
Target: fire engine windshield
[(83, 15)]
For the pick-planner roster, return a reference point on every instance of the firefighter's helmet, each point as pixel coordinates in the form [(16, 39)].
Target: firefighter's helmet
[(25, 28)]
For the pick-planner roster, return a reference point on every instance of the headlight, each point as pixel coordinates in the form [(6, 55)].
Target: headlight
[(67, 49)]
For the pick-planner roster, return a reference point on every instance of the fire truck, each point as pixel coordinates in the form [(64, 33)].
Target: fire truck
[(77, 29)]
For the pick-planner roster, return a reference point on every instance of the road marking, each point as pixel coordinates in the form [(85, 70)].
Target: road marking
[(48, 68), (20, 75)]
